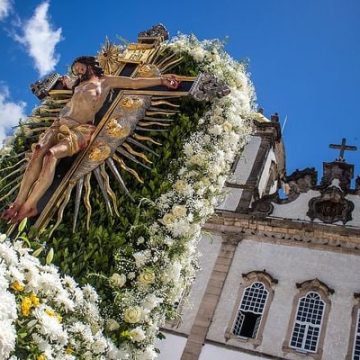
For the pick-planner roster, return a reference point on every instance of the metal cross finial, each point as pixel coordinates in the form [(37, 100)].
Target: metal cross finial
[(342, 148)]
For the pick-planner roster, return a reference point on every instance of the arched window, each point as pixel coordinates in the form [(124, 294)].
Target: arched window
[(309, 316), (354, 343), (308, 321), (250, 311), (356, 350)]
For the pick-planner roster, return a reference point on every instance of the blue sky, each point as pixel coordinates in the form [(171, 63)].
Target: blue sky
[(304, 56)]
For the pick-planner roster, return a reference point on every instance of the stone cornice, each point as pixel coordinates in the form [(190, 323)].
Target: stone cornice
[(286, 231)]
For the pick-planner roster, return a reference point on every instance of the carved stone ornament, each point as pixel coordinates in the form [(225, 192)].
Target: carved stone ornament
[(207, 87), (315, 285), (338, 170), (300, 181), (157, 31), (331, 206), (264, 206)]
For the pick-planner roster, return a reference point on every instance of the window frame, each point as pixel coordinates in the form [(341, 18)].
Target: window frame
[(307, 323), (315, 286), (248, 280), (355, 326)]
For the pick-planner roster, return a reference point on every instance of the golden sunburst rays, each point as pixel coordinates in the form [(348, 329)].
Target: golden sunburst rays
[(61, 205), (109, 57), (135, 150), (166, 61)]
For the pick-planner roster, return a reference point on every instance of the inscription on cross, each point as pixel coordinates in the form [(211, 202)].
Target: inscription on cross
[(342, 149)]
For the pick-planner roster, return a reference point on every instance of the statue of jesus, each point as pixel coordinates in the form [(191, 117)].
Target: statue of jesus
[(72, 131)]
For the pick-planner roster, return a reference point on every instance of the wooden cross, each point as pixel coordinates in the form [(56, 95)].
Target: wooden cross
[(134, 60), (342, 149)]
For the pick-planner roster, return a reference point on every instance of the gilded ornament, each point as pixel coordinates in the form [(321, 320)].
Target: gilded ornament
[(114, 129), (108, 57), (100, 151), (148, 70), (130, 103)]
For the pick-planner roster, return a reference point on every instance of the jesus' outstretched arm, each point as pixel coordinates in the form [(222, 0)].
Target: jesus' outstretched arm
[(124, 82)]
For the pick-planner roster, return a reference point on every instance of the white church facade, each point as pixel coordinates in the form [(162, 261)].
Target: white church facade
[(280, 276)]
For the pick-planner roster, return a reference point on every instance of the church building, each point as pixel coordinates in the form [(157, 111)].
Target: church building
[(280, 264)]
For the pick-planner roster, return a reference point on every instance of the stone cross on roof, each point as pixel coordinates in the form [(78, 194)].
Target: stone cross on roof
[(342, 149)]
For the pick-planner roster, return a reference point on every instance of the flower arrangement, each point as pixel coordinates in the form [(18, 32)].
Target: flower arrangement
[(44, 315), (152, 278), (155, 258)]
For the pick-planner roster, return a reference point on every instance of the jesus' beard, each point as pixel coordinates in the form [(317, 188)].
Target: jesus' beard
[(83, 77)]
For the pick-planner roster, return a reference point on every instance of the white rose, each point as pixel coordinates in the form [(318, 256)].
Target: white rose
[(137, 334), (133, 314), (179, 211), (112, 325), (168, 219), (117, 280)]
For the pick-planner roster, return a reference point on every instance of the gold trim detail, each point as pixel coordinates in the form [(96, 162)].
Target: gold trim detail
[(114, 129), (99, 151)]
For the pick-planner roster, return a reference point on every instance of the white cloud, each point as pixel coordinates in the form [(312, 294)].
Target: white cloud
[(40, 39), (5, 6), (10, 112)]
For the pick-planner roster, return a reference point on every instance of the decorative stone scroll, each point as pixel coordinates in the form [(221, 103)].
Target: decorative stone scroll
[(331, 206)]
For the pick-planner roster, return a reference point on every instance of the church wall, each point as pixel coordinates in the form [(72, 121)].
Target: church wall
[(231, 200), (213, 352), (171, 348), (209, 247), (290, 265), (266, 172), (246, 161), (296, 209)]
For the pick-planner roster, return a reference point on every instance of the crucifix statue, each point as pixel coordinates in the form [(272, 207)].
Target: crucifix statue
[(342, 149), (112, 103), (73, 129)]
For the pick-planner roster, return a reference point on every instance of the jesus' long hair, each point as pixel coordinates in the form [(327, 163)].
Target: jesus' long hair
[(91, 63)]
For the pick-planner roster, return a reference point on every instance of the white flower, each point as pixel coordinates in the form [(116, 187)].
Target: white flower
[(7, 306), (216, 130), (7, 338), (179, 211), (141, 258), (117, 280), (151, 302), (137, 334), (90, 293), (133, 314), (99, 346), (8, 254), (148, 354), (112, 325), (172, 272)]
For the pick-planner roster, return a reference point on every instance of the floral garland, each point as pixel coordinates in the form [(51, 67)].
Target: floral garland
[(153, 277), (45, 316)]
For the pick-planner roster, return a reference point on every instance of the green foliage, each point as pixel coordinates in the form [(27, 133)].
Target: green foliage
[(89, 255)]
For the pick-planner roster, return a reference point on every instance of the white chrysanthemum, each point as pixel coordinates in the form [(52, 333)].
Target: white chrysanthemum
[(7, 338), (8, 253), (7, 306), (90, 294)]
